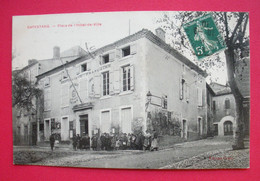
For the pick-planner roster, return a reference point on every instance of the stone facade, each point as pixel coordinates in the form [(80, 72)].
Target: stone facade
[(107, 91)]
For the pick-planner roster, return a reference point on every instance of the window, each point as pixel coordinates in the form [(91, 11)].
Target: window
[(105, 76), (84, 67), (227, 103), (105, 59), (41, 127), (126, 78), (125, 51), (214, 106)]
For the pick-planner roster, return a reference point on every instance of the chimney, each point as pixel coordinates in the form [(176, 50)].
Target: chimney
[(31, 61), (160, 33), (56, 52)]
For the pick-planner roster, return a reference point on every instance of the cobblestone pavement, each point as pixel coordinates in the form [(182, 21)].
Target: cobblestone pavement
[(207, 153)]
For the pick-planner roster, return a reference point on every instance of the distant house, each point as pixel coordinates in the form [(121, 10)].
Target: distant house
[(223, 110), (135, 84), (25, 128)]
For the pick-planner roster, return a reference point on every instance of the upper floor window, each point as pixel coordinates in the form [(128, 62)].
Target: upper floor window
[(227, 103), (105, 59), (126, 51), (126, 78), (214, 106), (84, 67), (105, 83)]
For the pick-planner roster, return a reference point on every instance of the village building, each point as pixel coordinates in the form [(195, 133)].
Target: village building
[(223, 110), (135, 84), (24, 121)]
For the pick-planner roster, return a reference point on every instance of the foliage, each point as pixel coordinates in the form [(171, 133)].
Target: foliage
[(163, 124), (232, 25), (23, 92)]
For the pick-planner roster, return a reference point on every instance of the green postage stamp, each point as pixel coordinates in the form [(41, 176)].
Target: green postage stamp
[(204, 36)]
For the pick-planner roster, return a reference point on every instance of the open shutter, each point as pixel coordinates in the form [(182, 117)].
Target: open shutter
[(78, 69), (180, 89), (187, 92), (132, 83), (97, 85), (199, 91), (116, 82), (100, 59), (112, 56), (133, 49), (83, 90), (118, 53), (91, 87), (111, 80)]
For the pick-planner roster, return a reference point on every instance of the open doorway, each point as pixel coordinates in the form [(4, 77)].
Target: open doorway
[(83, 119)]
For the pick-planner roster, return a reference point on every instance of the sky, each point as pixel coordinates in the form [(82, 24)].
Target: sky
[(35, 36)]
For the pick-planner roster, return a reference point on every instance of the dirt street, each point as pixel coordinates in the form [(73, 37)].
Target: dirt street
[(164, 158)]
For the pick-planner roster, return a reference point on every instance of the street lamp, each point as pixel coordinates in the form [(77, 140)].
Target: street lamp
[(149, 97)]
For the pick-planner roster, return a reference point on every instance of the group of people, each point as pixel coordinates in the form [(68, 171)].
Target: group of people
[(79, 142), (125, 141), (105, 141)]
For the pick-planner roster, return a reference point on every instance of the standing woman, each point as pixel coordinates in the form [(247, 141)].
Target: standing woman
[(154, 144)]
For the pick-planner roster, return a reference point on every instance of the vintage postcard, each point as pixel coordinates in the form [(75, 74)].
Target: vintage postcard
[(145, 90)]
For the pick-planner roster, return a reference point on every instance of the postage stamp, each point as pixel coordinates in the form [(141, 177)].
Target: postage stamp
[(204, 36)]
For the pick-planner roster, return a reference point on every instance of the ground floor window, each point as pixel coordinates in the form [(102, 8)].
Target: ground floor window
[(105, 121)]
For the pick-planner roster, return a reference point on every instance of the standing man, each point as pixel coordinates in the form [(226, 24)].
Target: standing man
[(52, 140)]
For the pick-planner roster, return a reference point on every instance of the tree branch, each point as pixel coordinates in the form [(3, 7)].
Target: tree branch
[(241, 16)]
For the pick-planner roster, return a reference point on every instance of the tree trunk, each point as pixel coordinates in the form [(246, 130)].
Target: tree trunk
[(239, 133)]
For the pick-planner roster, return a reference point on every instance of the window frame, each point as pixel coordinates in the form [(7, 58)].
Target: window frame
[(126, 51), (127, 78), (105, 83)]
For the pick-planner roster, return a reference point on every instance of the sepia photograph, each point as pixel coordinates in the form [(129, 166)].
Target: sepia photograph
[(132, 90)]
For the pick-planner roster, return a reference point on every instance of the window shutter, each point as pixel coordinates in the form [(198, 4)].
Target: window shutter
[(77, 69), (111, 88), (97, 85), (187, 92), (111, 56), (132, 83), (180, 89), (65, 95), (118, 53), (100, 59), (83, 89), (116, 83), (133, 49), (90, 87), (199, 92)]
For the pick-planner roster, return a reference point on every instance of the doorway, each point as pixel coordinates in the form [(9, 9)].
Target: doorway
[(228, 128), (83, 119), (34, 134), (184, 128)]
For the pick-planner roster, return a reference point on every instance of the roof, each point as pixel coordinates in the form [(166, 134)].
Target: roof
[(143, 33), (220, 89)]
